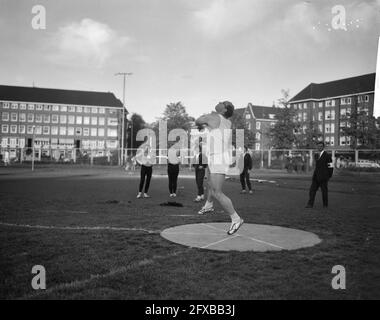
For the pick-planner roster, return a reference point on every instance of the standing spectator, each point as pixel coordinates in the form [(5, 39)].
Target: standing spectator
[(200, 165), (322, 173), (244, 176), (146, 158), (173, 170)]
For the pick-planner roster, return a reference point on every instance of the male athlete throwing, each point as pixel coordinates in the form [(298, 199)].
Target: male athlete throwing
[(219, 148)]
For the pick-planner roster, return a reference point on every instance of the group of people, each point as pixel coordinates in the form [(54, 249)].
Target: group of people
[(215, 165)]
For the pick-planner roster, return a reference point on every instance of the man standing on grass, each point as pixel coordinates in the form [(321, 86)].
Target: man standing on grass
[(244, 176), (322, 173)]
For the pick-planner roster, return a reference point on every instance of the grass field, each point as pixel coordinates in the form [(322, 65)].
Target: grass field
[(137, 263)]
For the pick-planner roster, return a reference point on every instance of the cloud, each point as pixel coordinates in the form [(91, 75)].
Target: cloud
[(88, 42)]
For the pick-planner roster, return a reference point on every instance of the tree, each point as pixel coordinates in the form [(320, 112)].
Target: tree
[(362, 128), (136, 123), (282, 134), (176, 116), (310, 137)]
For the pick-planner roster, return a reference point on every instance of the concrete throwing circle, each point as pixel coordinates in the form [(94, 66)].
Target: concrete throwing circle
[(250, 237)]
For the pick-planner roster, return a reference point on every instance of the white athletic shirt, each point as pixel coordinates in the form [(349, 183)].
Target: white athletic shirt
[(219, 143)]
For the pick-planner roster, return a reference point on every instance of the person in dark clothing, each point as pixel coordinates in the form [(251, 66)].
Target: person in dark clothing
[(173, 170), (200, 165), (322, 173), (244, 176), (145, 157)]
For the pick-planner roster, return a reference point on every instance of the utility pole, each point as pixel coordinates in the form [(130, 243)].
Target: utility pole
[(124, 74)]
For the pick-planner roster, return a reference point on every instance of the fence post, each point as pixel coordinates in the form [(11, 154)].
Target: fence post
[(333, 157), (311, 158), (269, 158), (356, 157), (21, 155), (91, 158)]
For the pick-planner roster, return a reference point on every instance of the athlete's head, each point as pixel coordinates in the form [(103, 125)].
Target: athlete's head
[(225, 108)]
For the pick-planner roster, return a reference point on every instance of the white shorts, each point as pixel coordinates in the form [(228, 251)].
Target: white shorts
[(218, 164)]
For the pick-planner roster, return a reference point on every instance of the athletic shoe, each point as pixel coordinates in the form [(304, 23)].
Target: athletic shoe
[(202, 197), (243, 191), (206, 210), (174, 195), (235, 226), (139, 195), (171, 195), (250, 192), (146, 195)]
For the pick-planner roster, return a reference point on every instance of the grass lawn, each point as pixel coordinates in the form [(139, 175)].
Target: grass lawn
[(137, 263)]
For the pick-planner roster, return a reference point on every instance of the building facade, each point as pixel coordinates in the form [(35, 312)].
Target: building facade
[(52, 120), (259, 120), (328, 106)]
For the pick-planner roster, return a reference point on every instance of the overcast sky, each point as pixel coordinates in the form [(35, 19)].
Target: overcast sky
[(195, 51)]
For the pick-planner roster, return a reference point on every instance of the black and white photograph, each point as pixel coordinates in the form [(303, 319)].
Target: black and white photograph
[(189, 155)]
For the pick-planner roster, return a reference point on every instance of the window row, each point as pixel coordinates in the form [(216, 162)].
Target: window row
[(47, 130), (55, 118), (53, 107)]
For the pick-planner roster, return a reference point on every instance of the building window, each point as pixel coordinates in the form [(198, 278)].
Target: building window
[(62, 131), (305, 105), (102, 110), (320, 104), (29, 129), (112, 133), (257, 146), (14, 106), (46, 118), (63, 108), (271, 116), (86, 120), (272, 124), (38, 130), (111, 111), (79, 119), (30, 106), (78, 131), (70, 131), (71, 119), (94, 121), (4, 128), (21, 129), (38, 118), (30, 117), (94, 110), (320, 128), (22, 106), (55, 108), (62, 119), (13, 116), (71, 108), (304, 116), (330, 115), (13, 142), (47, 107), (101, 121), (258, 125), (112, 121), (86, 132), (54, 130), (5, 116), (79, 109), (93, 132), (22, 117), (249, 126), (6, 105), (258, 136), (101, 132), (39, 107), (248, 116), (46, 130), (4, 142), (87, 109), (366, 98), (54, 118)]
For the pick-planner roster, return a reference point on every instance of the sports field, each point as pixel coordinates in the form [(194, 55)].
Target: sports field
[(97, 241)]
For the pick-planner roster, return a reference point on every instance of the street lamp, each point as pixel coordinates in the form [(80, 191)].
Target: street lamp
[(124, 74), (129, 117)]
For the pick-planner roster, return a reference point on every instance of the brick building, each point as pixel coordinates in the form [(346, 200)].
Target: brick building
[(259, 120), (55, 119), (328, 105)]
